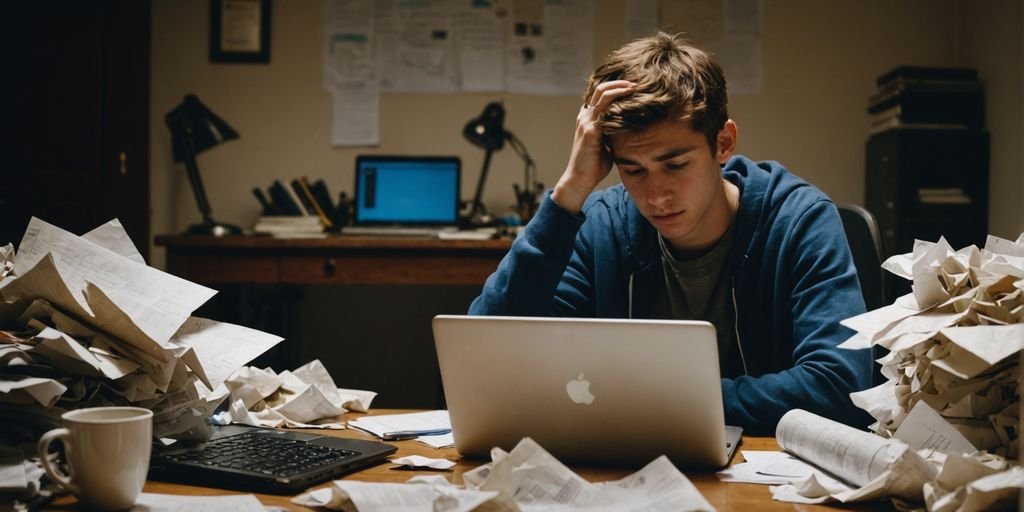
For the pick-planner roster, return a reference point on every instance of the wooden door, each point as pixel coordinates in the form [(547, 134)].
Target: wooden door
[(75, 148)]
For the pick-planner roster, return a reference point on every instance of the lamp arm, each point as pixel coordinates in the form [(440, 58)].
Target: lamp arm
[(529, 171), (478, 206), (182, 133)]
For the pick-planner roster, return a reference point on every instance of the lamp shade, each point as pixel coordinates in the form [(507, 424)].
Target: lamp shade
[(207, 129), (488, 130)]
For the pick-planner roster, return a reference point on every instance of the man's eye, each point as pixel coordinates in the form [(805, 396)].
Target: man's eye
[(676, 166), (633, 172)]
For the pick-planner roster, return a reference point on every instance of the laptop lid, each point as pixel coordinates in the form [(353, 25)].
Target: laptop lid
[(406, 190), (595, 391)]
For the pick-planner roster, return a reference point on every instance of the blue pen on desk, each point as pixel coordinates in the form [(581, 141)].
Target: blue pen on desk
[(400, 435)]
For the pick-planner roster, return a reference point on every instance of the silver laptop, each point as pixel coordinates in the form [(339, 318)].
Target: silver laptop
[(405, 195), (592, 391)]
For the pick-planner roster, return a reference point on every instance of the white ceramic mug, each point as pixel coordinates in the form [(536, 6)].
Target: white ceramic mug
[(107, 449)]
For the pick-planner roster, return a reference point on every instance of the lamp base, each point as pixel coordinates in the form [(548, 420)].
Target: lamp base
[(477, 220), (210, 227)]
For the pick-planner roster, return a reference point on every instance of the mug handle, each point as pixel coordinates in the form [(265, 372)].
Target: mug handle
[(44, 448)]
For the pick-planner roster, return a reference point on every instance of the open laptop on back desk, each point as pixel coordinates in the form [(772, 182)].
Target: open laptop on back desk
[(265, 460), (405, 195), (593, 391)]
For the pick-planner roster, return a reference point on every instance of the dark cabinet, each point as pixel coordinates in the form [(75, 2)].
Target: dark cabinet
[(927, 183)]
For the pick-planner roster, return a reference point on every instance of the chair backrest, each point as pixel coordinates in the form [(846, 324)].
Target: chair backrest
[(866, 247)]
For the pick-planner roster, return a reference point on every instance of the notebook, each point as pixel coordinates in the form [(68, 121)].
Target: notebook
[(591, 391), (265, 460), (405, 195)]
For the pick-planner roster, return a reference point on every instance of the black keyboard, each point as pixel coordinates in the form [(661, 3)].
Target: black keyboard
[(265, 460), (263, 455)]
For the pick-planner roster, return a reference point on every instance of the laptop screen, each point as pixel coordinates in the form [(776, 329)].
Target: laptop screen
[(404, 190)]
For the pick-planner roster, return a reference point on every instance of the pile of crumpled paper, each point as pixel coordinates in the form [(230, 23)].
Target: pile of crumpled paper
[(953, 363), (303, 398)]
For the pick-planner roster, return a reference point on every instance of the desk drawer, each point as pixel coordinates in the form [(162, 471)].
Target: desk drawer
[(388, 268), (224, 268)]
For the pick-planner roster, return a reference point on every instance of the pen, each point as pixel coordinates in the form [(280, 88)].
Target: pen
[(400, 435)]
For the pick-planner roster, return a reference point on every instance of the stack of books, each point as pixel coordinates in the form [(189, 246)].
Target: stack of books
[(299, 210), (290, 226), (928, 98)]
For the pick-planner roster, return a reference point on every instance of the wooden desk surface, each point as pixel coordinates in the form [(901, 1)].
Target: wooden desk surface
[(331, 260), (723, 496)]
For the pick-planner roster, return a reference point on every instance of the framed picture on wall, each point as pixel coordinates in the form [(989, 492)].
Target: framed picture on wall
[(240, 31)]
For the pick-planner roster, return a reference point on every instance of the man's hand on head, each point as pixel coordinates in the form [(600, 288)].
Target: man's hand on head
[(589, 161)]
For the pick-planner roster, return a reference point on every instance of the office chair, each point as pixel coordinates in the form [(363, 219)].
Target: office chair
[(866, 247)]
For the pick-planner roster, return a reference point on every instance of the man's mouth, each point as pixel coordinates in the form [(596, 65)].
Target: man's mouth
[(668, 216)]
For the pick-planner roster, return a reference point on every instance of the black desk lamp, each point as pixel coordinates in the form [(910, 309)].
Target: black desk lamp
[(488, 132), (194, 129)]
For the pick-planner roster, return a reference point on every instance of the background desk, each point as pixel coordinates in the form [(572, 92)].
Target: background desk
[(371, 332), (332, 260), (723, 496)]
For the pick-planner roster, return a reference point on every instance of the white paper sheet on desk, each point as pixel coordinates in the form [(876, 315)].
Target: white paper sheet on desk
[(438, 441), (766, 467), (149, 502), (416, 421)]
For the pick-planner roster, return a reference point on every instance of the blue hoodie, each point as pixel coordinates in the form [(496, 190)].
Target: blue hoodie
[(792, 278)]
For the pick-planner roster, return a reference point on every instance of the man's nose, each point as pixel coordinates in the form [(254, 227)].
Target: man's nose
[(660, 193)]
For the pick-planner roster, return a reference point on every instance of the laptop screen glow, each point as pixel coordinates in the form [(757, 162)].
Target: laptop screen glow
[(407, 190)]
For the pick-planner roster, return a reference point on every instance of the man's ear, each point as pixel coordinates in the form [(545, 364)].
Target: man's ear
[(727, 137)]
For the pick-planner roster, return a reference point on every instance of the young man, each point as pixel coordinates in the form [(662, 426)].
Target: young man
[(693, 233)]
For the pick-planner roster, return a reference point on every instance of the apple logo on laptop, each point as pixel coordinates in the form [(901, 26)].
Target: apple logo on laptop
[(579, 390)]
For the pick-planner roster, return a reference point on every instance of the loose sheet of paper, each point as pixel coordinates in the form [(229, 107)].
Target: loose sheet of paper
[(149, 502), (223, 347), (417, 421)]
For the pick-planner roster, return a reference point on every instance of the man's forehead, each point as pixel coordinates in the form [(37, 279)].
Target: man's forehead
[(665, 139)]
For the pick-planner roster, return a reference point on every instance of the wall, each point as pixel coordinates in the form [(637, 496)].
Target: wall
[(994, 45), (820, 63)]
